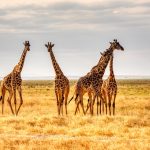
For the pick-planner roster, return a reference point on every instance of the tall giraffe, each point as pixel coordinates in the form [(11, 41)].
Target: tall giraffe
[(13, 82), (94, 78), (109, 89), (61, 82)]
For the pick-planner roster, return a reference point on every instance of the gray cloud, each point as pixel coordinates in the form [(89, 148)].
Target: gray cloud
[(74, 16)]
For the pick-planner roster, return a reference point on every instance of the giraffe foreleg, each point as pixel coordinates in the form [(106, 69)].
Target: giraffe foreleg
[(59, 102), (114, 101), (62, 102), (102, 106), (15, 101), (21, 99), (101, 103), (3, 90), (66, 98), (57, 99), (105, 99), (9, 101), (109, 102), (98, 105), (92, 104)]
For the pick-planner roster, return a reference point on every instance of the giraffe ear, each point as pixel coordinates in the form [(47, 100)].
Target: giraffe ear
[(46, 45), (101, 53), (53, 45)]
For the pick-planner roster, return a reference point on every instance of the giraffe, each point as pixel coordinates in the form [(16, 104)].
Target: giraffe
[(94, 78), (88, 91), (13, 82), (109, 88), (61, 82)]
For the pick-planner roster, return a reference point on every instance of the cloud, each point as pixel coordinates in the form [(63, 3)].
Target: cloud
[(35, 17)]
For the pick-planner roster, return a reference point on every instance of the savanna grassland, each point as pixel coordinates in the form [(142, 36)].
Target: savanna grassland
[(39, 127)]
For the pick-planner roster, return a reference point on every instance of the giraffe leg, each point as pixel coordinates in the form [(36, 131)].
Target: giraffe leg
[(9, 101), (66, 99), (114, 103), (21, 100), (77, 105), (59, 103), (105, 99), (102, 106), (3, 98), (98, 105), (89, 102), (57, 98), (101, 102), (92, 105), (62, 102), (15, 101), (78, 109), (109, 102), (88, 106), (76, 101), (81, 102)]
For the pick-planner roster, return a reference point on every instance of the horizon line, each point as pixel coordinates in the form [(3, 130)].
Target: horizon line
[(77, 77)]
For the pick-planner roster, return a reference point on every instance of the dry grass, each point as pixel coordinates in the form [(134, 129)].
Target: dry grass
[(39, 127)]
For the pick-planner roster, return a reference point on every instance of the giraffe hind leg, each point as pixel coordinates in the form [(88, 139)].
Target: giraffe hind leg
[(62, 102), (88, 106), (77, 106)]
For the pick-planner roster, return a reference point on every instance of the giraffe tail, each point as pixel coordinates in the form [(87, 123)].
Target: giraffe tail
[(71, 99)]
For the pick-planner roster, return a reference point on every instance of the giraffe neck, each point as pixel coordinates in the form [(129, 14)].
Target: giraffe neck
[(111, 66), (57, 69), (104, 60), (22, 59)]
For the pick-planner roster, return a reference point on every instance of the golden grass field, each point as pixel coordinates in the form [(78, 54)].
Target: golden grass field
[(39, 127)]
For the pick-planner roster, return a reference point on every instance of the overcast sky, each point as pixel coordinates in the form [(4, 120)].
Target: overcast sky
[(80, 30)]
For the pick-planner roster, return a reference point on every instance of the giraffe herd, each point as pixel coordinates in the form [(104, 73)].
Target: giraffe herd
[(104, 92)]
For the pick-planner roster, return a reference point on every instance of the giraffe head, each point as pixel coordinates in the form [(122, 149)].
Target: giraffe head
[(27, 45), (116, 45), (49, 46)]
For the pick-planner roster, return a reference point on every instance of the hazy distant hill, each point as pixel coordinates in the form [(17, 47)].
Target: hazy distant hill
[(77, 77)]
